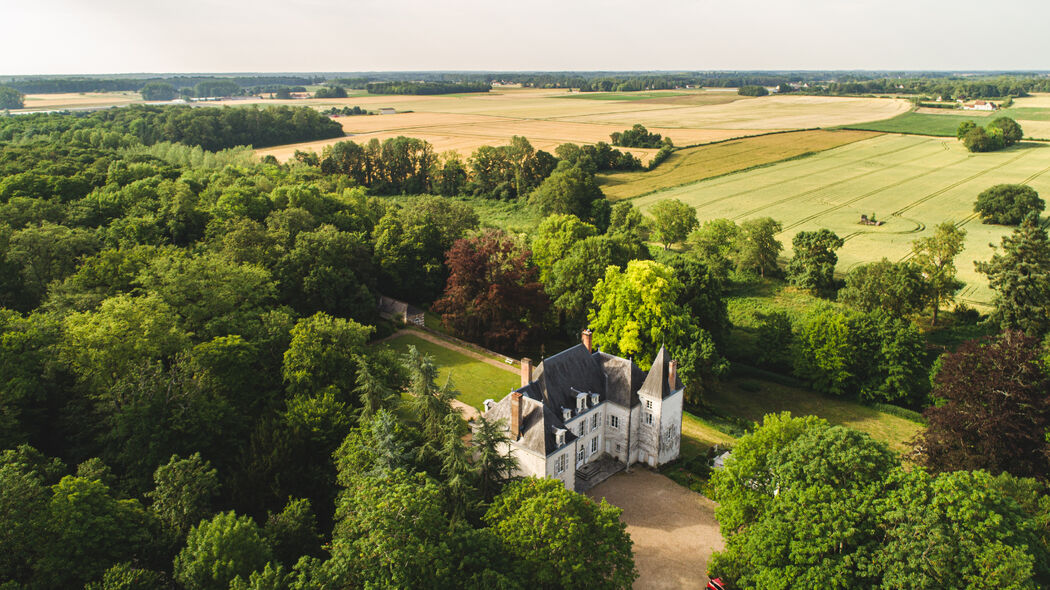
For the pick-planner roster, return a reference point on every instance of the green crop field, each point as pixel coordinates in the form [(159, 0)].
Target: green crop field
[(1027, 113), (921, 124), (475, 380), (910, 182)]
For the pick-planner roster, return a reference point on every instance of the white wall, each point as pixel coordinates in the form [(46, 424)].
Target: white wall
[(671, 421)]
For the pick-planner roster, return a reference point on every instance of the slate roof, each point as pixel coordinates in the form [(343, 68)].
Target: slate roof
[(538, 424), (656, 383)]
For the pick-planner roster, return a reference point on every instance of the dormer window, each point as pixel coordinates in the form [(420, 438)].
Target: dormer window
[(566, 414), (581, 402), (594, 399), (489, 403), (559, 436)]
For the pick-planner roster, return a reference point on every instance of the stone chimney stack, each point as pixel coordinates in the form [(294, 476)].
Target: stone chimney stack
[(515, 415), (672, 374), (526, 371), (586, 337)]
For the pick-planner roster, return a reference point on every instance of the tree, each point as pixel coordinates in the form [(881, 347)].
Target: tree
[(329, 270), (1020, 275), (494, 463), (184, 492), (292, 532), (11, 98), (714, 243), (492, 294), (323, 352), (757, 246), (752, 90), (1008, 204), (962, 530), (559, 538), (570, 282), (964, 128), (703, 296), (640, 137), (797, 506), (935, 256), (219, 550), (158, 91), (555, 236), (571, 190), (898, 288), (994, 410), (672, 221), (813, 265), (1010, 131), (86, 530), (625, 219), (978, 139), (125, 576)]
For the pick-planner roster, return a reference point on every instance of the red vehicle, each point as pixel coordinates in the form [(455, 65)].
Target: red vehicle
[(716, 584)]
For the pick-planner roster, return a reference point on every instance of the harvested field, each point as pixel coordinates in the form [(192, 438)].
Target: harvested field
[(910, 182), (464, 133), (768, 112), (78, 100), (708, 161), (673, 528)]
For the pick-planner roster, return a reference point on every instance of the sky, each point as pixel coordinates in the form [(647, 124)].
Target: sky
[(131, 36)]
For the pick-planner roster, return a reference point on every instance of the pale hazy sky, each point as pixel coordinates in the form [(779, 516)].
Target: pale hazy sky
[(117, 36)]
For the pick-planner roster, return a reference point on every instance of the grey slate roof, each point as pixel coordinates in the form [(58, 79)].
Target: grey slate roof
[(623, 378), (538, 424), (656, 383)]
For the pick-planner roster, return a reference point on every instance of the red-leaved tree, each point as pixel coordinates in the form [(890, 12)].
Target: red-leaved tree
[(493, 294), (995, 410)]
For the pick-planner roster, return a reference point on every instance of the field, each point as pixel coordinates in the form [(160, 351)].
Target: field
[(736, 398), (73, 100), (475, 380), (910, 182), (1032, 113), (708, 161)]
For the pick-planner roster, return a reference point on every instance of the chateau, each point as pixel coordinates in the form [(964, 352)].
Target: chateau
[(582, 405)]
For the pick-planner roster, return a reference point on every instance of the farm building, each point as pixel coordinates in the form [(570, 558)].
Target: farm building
[(583, 414), (980, 105), (393, 309), (387, 111)]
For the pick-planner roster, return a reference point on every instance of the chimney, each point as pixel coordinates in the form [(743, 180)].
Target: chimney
[(586, 337), (515, 415), (672, 374), (526, 371)]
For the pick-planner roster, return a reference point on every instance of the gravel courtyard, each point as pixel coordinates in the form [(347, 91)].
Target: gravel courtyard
[(674, 529)]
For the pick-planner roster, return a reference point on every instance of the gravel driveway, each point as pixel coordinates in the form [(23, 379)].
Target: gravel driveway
[(674, 529)]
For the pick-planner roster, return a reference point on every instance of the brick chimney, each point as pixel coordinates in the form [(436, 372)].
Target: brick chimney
[(586, 337), (672, 374), (526, 371), (515, 415)]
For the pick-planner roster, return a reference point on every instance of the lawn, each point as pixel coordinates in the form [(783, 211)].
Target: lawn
[(910, 182), (693, 164), (752, 399), (475, 380)]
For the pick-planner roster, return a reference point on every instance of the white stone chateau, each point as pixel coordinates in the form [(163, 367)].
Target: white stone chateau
[(581, 405)]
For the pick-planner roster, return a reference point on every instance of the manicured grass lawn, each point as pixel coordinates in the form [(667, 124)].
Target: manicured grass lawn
[(475, 380), (732, 398), (698, 436)]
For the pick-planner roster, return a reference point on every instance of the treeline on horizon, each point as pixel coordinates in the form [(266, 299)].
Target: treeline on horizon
[(210, 128)]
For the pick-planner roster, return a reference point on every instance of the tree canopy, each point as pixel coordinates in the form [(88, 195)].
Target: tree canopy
[(1008, 204)]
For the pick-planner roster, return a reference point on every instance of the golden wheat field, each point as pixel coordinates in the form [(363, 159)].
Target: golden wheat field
[(74, 100)]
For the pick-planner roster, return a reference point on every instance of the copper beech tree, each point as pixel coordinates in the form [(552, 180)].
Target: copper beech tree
[(493, 294)]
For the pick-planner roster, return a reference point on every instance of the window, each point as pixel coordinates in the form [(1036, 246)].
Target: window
[(583, 428), (594, 445), (580, 454), (649, 418), (560, 463), (596, 420), (614, 421), (648, 404), (617, 448)]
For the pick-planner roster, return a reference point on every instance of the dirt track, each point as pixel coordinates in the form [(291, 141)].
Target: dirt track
[(674, 529)]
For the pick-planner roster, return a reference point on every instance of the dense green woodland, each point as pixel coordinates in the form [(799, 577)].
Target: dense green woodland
[(190, 396)]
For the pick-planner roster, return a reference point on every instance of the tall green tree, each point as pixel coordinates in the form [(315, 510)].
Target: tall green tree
[(556, 235), (898, 288), (935, 256), (572, 190), (813, 265), (1008, 204), (184, 492), (757, 247), (324, 352), (1019, 273), (714, 243), (219, 550), (672, 221), (559, 538)]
